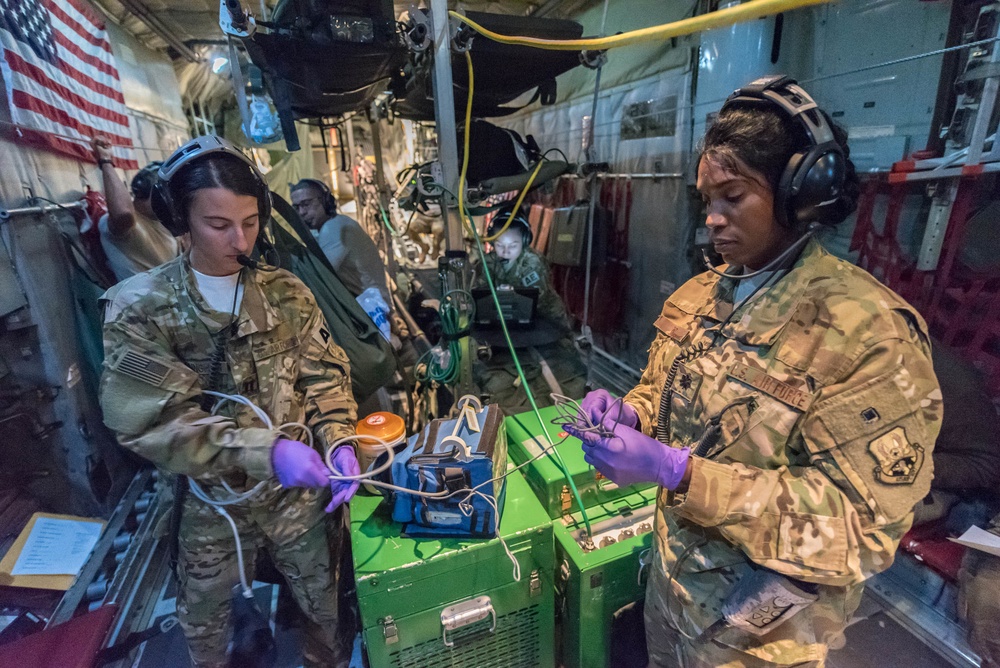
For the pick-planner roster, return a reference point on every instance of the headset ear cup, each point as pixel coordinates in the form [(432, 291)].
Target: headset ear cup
[(818, 185), (784, 211), (264, 207), (163, 209)]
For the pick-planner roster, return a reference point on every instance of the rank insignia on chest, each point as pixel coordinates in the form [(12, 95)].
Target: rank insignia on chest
[(899, 461), (687, 383), (250, 387)]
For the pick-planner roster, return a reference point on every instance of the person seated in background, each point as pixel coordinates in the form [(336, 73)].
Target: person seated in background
[(133, 239), (967, 451), (552, 367), (350, 251), (513, 262)]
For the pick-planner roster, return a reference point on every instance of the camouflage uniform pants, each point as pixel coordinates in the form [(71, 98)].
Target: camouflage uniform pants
[(979, 603), (669, 647), (498, 378), (208, 571)]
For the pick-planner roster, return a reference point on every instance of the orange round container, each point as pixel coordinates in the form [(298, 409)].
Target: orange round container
[(386, 426)]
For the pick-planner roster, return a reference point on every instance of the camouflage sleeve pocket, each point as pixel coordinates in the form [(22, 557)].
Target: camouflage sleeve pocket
[(876, 436), (322, 346), (814, 541), (137, 386)]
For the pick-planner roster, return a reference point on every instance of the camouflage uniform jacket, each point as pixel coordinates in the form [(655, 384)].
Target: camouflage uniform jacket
[(159, 342), (828, 407), (529, 270)]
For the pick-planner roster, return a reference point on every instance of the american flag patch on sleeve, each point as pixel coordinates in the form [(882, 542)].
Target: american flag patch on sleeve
[(142, 368)]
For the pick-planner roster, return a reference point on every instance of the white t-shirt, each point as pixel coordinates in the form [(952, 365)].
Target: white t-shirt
[(218, 290), (147, 244), (353, 255)]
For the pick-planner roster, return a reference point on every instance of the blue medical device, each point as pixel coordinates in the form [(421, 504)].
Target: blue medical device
[(464, 459)]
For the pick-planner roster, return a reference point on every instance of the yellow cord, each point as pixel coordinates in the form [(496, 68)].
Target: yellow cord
[(748, 11), (465, 141), (465, 162), (517, 205), (551, 450)]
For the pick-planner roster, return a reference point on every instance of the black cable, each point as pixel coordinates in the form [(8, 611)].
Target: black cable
[(796, 246), (557, 150)]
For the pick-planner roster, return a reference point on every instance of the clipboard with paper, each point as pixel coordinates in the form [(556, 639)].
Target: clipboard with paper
[(50, 551)]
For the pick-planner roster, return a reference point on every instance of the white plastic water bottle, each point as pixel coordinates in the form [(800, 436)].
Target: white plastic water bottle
[(372, 302)]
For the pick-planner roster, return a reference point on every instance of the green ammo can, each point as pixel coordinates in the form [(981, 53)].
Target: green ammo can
[(525, 441), (597, 579), (455, 602)]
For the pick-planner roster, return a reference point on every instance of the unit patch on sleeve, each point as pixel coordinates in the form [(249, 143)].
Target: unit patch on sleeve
[(899, 461), (531, 279)]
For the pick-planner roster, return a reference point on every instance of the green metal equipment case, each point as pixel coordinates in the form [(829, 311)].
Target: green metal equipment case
[(593, 584), (524, 441), (454, 602)]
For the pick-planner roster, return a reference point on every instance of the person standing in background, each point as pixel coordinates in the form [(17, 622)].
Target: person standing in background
[(132, 238)]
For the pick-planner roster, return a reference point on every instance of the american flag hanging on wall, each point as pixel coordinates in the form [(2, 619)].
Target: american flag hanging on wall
[(62, 84)]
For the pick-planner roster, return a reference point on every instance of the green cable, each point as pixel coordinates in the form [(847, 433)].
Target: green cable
[(464, 218), (451, 324), (385, 219), (524, 382)]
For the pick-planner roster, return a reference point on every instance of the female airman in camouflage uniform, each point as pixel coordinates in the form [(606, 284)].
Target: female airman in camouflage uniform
[(793, 411), (167, 340), (513, 262)]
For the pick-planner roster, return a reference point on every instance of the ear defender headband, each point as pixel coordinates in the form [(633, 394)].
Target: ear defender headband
[(169, 212), (142, 182), (519, 223), (329, 201), (812, 183)]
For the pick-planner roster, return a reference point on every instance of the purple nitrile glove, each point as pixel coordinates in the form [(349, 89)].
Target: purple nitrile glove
[(297, 465), (597, 403), (630, 456), (346, 463)]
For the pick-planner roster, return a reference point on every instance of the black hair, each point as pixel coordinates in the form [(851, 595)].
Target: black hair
[(142, 183), (520, 223), (765, 139), (216, 170)]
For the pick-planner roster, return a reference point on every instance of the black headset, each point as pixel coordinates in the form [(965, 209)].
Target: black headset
[(162, 199), (143, 181), (812, 185), (519, 223), (329, 201)]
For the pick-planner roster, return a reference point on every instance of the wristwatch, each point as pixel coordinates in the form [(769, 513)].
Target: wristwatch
[(105, 161)]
